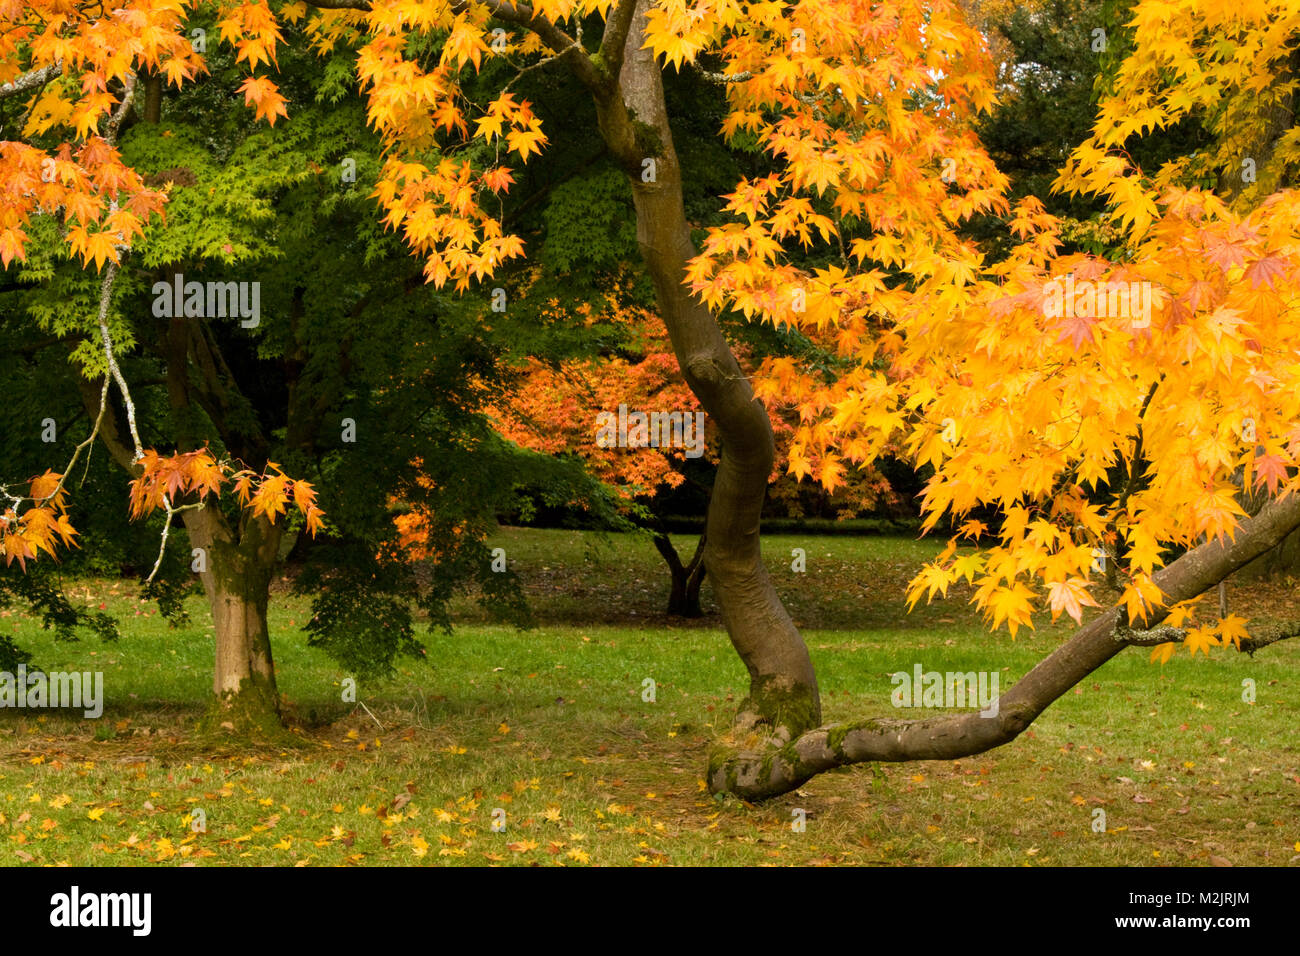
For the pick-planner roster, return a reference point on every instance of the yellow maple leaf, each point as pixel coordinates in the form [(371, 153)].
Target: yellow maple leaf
[(1164, 652), (1011, 605), (1200, 639), (1070, 596), (489, 126), (524, 142), (1141, 597), (1232, 629)]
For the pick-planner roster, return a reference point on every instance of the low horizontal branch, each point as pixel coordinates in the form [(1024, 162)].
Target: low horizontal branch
[(713, 77), (31, 80), (1261, 636), (765, 771)]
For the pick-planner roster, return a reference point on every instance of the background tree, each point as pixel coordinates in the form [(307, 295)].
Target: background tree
[(299, 388), (555, 409), (556, 406)]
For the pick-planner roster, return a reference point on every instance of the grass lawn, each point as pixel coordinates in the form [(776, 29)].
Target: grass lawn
[(546, 731)]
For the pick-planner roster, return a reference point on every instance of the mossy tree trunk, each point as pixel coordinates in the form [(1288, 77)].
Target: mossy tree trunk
[(238, 567), (237, 581)]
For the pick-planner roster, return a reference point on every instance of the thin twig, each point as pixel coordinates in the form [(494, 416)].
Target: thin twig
[(363, 706), (105, 300), (577, 42), (167, 527)]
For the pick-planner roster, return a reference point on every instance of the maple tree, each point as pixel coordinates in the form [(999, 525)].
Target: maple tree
[(1117, 428), (297, 386), (1031, 410), (555, 407)]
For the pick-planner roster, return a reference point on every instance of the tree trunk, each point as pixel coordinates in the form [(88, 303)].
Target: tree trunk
[(784, 746), (633, 120), (238, 565), (237, 581), (684, 598), (1283, 559), (757, 772), (1277, 117), (694, 578), (153, 91)]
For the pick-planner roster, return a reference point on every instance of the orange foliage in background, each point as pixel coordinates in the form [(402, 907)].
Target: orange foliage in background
[(554, 408), (414, 539)]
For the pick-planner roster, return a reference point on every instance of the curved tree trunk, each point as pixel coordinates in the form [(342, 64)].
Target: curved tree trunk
[(628, 90), (756, 773), (784, 745)]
